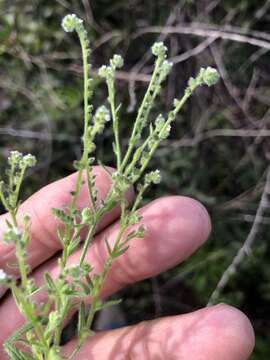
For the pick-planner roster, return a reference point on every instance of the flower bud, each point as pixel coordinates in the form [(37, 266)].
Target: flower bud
[(167, 67), (210, 76), (29, 160), (71, 22), (159, 49), (118, 61)]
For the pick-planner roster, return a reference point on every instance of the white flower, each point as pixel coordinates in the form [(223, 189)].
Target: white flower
[(107, 117), (159, 49), (210, 76), (105, 71), (167, 67), (29, 160), (117, 61), (16, 231), (3, 275), (70, 22)]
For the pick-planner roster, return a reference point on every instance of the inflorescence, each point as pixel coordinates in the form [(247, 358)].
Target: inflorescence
[(74, 285)]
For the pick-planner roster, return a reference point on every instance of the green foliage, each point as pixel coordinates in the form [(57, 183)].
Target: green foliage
[(73, 285), (39, 85)]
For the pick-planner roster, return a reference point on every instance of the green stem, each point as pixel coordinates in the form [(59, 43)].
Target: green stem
[(139, 197), (87, 241), (84, 160), (137, 155), (132, 141), (91, 314), (63, 310), (90, 181), (115, 122), (171, 118), (22, 268), (105, 271), (27, 311), (18, 185), (85, 50)]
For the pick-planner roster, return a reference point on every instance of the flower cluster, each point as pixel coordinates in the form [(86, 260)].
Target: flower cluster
[(159, 49), (17, 159), (108, 71), (207, 76), (210, 76), (153, 177), (71, 23), (9, 190)]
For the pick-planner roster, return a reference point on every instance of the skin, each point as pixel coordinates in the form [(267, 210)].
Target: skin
[(176, 226)]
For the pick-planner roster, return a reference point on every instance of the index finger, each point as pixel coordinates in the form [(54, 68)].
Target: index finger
[(44, 242)]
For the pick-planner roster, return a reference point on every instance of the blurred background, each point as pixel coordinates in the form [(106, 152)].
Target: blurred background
[(218, 151)]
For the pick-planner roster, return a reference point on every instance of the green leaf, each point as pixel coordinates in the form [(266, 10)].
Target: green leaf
[(73, 245), (120, 252), (105, 304), (82, 318), (16, 354), (86, 288), (49, 282), (60, 214), (10, 348), (108, 246)]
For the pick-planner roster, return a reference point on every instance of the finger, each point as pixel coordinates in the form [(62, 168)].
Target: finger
[(44, 242), (221, 332), (175, 227)]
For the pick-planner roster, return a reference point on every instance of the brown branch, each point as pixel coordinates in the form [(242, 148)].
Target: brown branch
[(246, 247), (201, 32), (217, 133), (37, 135)]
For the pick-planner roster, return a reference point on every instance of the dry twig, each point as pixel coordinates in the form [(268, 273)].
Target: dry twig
[(203, 32), (246, 247)]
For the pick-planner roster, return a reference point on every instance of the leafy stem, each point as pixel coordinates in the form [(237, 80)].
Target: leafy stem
[(77, 283)]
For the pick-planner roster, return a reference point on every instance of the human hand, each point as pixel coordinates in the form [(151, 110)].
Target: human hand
[(175, 227)]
